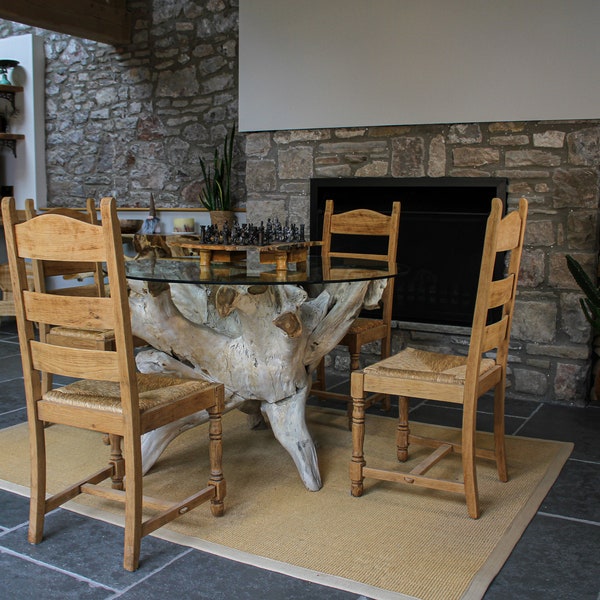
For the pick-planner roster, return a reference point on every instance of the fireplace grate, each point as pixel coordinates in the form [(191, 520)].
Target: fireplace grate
[(442, 227)]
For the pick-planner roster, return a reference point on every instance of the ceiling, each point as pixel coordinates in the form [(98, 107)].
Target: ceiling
[(101, 20)]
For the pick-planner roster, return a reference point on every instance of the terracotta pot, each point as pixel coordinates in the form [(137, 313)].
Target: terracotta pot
[(220, 217)]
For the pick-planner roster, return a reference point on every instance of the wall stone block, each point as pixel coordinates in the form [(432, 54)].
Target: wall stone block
[(308, 135), (582, 229), (408, 154), (436, 167), (507, 126), (570, 382), (533, 268), (465, 134), (350, 133), (475, 157), (571, 352), (377, 168), (540, 233), (584, 146), (560, 277), (575, 188), (296, 163), (534, 158), (573, 321), (549, 139), (333, 171), (261, 176), (258, 144), (510, 140), (530, 381), (354, 147), (534, 320)]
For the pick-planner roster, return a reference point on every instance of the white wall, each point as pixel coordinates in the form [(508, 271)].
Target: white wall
[(27, 172), (317, 64)]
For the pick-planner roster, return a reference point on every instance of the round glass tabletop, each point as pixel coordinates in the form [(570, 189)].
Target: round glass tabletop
[(313, 270)]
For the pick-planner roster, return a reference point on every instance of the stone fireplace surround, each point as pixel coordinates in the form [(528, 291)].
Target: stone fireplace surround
[(553, 164)]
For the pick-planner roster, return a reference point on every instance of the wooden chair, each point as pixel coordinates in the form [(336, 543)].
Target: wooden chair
[(75, 272), (460, 380), (108, 395), (361, 222)]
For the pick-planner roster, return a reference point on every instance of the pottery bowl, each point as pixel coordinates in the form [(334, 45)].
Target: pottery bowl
[(130, 225)]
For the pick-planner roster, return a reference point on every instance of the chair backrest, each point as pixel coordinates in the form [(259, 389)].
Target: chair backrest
[(59, 238), (502, 235), (366, 223), (73, 269)]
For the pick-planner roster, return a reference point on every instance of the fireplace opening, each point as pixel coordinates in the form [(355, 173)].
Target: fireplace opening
[(442, 228)]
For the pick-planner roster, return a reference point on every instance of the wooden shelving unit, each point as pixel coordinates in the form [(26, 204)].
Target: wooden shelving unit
[(8, 92), (9, 140)]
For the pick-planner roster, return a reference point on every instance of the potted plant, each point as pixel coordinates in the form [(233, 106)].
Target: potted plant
[(216, 193), (590, 305)]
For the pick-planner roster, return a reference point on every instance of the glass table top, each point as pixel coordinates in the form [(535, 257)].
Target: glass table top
[(314, 270)]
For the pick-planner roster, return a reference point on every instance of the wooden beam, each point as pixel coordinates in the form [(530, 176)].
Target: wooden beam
[(104, 21)]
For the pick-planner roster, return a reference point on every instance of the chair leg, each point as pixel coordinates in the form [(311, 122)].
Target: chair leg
[(133, 504), (403, 432), (320, 383), (468, 461), (215, 450), (355, 360), (37, 502), (116, 459), (499, 443), (358, 434)]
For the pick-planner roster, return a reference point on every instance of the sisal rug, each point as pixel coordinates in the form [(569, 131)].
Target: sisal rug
[(393, 542)]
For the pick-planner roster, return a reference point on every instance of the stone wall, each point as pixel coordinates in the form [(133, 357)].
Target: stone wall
[(553, 164), (134, 120)]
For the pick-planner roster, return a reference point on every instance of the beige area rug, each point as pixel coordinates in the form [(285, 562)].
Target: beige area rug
[(393, 542)]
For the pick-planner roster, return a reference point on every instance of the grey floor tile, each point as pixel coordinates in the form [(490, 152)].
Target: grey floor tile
[(13, 417), (8, 327), (25, 580), (12, 394), (568, 424), (11, 367), (223, 579), (555, 559), (91, 549), (576, 492), (9, 348), (14, 511)]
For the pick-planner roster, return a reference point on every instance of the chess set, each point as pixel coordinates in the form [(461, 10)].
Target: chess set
[(276, 243)]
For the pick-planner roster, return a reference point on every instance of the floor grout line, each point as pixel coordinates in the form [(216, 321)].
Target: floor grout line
[(51, 567), (567, 518)]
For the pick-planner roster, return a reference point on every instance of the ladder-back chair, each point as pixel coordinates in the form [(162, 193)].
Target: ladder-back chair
[(76, 273), (361, 223), (461, 380), (108, 395)]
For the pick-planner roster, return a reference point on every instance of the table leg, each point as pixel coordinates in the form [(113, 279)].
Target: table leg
[(289, 427)]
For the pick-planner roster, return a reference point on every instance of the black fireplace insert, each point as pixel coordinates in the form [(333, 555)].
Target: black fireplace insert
[(442, 227)]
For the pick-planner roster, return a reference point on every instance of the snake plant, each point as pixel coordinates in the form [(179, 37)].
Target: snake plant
[(591, 303), (216, 194)]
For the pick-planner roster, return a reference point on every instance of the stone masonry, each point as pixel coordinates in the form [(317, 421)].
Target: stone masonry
[(134, 120)]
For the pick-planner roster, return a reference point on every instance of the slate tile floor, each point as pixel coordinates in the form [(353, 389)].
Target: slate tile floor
[(557, 558)]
